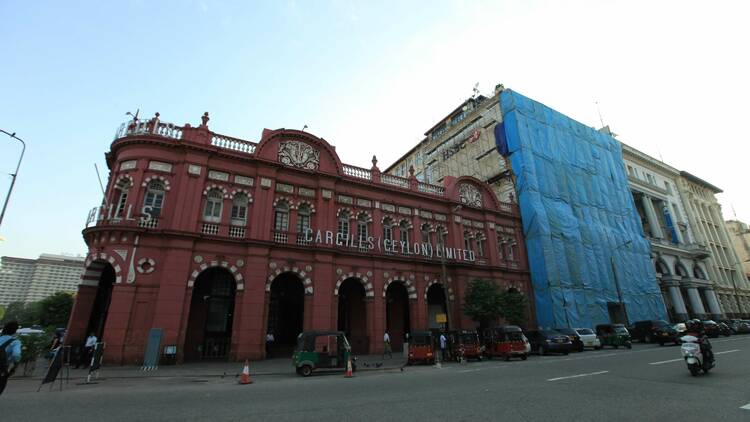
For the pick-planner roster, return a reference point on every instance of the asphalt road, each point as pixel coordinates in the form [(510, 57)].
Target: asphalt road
[(643, 384)]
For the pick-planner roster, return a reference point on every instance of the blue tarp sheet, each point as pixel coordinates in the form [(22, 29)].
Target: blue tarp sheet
[(583, 234)]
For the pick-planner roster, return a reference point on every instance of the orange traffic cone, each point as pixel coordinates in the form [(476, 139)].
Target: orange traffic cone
[(349, 373), (245, 376)]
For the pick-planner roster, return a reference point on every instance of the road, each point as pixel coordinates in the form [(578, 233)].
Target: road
[(643, 384)]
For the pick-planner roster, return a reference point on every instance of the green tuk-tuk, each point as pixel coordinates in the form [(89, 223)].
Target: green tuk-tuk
[(321, 350), (614, 335)]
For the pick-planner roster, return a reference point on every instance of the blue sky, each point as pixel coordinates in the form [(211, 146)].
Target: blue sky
[(370, 77)]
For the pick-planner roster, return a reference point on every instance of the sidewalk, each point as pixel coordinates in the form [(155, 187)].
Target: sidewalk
[(278, 366)]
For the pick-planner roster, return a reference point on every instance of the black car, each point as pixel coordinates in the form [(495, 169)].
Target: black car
[(711, 328), (653, 331), (546, 341), (724, 330), (573, 336)]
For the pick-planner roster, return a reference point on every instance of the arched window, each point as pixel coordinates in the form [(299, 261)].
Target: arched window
[(121, 193), (388, 229), (304, 228), (403, 228), (362, 227), (281, 222), (468, 244), (425, 230), (342, 233), (154, 200), (214, 202), (480, 244), (239, 209)]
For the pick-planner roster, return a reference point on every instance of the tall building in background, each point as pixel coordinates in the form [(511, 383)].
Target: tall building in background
[(740, 235), (704, 215), (29, 280)]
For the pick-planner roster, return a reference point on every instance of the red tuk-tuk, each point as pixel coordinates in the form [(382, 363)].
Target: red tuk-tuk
[(505, 342), (464, 344), (421, 348)]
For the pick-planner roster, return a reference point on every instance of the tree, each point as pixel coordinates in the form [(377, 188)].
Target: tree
[(54, 311), (515, 306), (19, 311), (483, 301)]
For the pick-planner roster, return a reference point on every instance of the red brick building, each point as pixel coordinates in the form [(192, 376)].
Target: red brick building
[(217, 240)]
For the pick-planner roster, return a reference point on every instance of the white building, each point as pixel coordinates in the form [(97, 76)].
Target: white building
[(29, 280), (704, 215), (680, 260)]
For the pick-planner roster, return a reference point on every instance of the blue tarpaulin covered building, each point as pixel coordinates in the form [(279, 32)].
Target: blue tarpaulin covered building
[(588, 256)]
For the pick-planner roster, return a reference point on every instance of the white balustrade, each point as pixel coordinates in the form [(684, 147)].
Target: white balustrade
[(357, 172), (394, 180), (234, 144)]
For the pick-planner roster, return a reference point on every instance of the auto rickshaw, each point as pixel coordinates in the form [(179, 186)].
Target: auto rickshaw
[(505, 342), (421, 348), (464, 344), (321, 350), (614, 335)]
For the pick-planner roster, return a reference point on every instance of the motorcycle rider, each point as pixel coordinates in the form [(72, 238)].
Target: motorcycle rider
[(695, 328)]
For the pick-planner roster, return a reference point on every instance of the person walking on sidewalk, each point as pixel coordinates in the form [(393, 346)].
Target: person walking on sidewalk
[(443, 344), (387, 350), (88, 351), (10, 352)]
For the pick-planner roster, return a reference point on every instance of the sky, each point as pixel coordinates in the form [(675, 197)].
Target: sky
[(670, 78)]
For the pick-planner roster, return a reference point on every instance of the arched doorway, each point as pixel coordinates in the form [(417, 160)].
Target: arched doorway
[(286, 312), (397, 321), (209, 332), (436, 305), (352, 314), (100, 308)]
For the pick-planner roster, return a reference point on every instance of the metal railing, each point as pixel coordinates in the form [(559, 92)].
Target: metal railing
[(237, 232), (210, 229), (149, 127), (148, 224)]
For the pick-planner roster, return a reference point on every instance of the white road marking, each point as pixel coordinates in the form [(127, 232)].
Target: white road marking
[(578, 376), (666, 361), (681, 359), (469, 370), (746, 407)]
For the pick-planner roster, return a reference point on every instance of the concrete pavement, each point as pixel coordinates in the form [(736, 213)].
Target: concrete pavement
[(646, 383)]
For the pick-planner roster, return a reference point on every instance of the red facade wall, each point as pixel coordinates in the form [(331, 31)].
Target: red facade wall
[(157, 264)]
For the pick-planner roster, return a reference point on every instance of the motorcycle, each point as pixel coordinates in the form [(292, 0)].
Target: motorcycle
[(694, 356)]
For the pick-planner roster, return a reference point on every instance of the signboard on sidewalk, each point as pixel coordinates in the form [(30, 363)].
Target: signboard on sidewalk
[(151, 357)]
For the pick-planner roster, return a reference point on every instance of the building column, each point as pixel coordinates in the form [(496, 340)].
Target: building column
[(653, 221), (713, 304), (675, 223), (695, 302), (678, 302)]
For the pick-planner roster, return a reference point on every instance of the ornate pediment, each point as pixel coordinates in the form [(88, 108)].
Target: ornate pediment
[(469, 195), (299, 154)]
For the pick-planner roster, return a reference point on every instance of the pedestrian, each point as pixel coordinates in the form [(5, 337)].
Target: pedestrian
[(56, 342), (387, 350), (443, 343), (10, 352), (88, 351), (270, 339)]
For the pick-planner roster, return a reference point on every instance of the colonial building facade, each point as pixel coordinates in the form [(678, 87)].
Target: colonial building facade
[(217, 241), (704, 215), (740, 235), (681, 263)]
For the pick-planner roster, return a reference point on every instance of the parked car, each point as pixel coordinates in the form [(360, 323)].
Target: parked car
[(574, 337), (744, 327), (589, 338), (653, 331), (546, 341), (614, 335), (724, 329), (711, 328)]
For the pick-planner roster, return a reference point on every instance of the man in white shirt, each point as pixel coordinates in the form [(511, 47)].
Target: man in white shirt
[(88, 351), (443, 344), (387, 346)]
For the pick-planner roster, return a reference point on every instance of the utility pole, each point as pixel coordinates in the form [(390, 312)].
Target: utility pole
[(13, 181)]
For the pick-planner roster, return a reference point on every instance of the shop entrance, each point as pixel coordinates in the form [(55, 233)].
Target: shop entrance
[(352, 315), (286, 311), (209, 332), (397, 318)]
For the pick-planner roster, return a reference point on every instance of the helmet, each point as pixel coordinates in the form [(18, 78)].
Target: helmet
[(694, 326)]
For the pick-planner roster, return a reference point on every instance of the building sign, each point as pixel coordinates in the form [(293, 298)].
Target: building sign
[(423, 249), (441, 318)]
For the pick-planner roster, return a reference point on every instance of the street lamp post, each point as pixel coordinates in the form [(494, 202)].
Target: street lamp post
[(13, 181), (617, 283)]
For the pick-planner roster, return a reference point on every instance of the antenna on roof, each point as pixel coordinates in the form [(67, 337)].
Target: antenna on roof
[(100, 183), (598, 110), (733, 211), (475, 90)]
